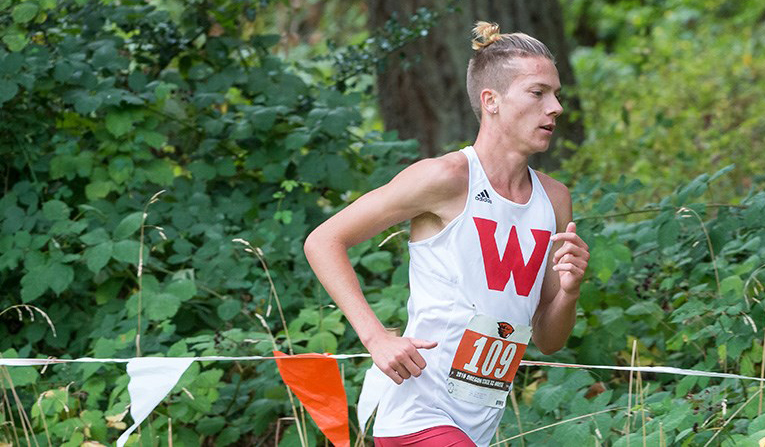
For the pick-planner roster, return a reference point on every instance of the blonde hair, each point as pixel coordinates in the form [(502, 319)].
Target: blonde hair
[(489, 68)]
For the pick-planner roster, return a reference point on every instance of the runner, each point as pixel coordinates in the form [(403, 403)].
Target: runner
[(495, 259)]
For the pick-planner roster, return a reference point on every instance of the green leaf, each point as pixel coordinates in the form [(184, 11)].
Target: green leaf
[(229, 309), (209, 379), (159, 171), (573, 434), (25, 12), (607, 203), (59, 276), (161, 306), (378, 262), (242, 130), (118, 123), (97, 236), (127, 251), (645, 308), (549, 397), (677, 414), (11, 63), (15, 39), (137, 80), (757, 424), (153, 139), (13, 221), (86, 103), (63, 71), (184, 289), (104, 347), (732, 285), (8, 90), (669, 231), (578, 379), (98, 189), (21, 239), (228, 436), (129, 225), (98, 256), (55, 210), (210, 425), (20, 375), (34, 284), (225, 167), (121, 168), (292, 437), (106, 56), (323, 342), (264, 118), (721, 172), (296, 140)]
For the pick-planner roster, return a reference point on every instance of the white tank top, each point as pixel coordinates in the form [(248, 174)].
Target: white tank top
[(490, 260)]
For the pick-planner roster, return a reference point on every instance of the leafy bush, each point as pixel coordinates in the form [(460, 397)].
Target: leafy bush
[(675, 94), (106, 106)]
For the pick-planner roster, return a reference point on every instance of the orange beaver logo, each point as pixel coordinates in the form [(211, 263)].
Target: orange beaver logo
[(505, 329)]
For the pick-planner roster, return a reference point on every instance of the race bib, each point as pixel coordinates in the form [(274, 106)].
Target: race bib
[(486, 361)]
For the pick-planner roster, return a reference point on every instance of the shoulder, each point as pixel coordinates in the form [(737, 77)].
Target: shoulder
[(440, 176), (560, 197)]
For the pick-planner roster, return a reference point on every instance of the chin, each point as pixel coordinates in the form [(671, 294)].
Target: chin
[(539, 149)]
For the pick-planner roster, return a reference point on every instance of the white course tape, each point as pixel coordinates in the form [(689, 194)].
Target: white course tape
[(151, 378), (646, 369), (53, 361)]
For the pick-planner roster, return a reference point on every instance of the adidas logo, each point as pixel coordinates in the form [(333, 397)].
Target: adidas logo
[(483, 196)]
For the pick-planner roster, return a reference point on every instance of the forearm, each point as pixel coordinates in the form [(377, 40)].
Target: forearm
[(329, 261), (554, 323)]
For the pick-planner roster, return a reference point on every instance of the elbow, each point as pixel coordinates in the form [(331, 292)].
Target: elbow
[(549, 346), (309, 246), (549, 350)]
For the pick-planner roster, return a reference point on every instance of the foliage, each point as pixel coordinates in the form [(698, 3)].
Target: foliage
[(105, 104), (672, 90), (368, 57)]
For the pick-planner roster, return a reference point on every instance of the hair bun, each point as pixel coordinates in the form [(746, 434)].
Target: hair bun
[(485, 33)]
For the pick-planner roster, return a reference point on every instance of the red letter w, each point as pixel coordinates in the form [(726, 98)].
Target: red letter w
[(498, 270)]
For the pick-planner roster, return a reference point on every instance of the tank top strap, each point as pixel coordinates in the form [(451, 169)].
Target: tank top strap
[(542, 195), (536, 184), (475, 171)]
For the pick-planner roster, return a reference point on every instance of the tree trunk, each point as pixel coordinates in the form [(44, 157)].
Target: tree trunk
[(422, 92)]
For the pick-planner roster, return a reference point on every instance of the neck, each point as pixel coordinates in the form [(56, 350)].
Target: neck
[(505, 165)]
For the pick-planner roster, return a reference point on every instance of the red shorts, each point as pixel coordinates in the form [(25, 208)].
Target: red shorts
[(441, 436)]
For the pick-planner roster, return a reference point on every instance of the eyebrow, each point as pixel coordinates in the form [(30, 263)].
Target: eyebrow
[(543, 85)]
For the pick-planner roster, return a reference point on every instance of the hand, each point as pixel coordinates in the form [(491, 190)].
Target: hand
[(397, 357), (570, 261)]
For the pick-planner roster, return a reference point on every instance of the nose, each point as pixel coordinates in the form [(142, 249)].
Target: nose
[(555, 108)]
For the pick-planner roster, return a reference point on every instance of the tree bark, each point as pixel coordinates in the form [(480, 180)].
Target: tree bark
[(422, 91)]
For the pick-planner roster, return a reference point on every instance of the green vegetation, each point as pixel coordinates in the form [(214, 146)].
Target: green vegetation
[(138, 141), (673, 90)]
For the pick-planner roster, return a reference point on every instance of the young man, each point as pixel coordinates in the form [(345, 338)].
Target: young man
[(495, 258)]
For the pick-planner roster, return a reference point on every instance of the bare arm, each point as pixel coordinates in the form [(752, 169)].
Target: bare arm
[(425, 187), (556, 314)]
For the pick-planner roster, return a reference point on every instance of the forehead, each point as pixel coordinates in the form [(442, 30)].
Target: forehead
[(534, 70)]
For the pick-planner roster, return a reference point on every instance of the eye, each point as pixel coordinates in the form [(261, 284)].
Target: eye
[(537, 93)]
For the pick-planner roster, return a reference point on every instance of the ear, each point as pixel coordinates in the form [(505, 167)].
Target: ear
[(489, 101)]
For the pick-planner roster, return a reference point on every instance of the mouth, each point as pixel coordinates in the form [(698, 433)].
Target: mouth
[(548, 127)]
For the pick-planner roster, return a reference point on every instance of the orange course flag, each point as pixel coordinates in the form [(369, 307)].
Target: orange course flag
[(315, 380)]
